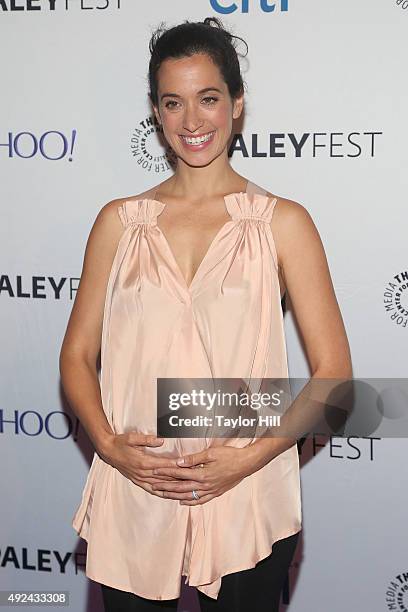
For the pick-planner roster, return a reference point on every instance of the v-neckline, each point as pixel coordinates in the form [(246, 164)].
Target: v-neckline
[(216, 237)]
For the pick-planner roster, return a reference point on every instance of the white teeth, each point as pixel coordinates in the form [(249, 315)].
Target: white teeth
[(197, 141)]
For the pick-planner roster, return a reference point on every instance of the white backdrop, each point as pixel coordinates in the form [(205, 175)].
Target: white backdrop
[(325, 125)]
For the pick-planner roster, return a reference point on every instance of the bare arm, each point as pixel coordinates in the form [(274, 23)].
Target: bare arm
[(82, 340), (79, 353), (305, 272)]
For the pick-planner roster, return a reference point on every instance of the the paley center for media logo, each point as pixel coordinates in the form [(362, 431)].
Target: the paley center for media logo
[(149, 147), (396, 299)]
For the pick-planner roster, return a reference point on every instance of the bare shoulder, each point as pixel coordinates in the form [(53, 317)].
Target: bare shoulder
[(107, 226), (291, 225), (286, 209), (109, 211), (108, 214), (107, 229)]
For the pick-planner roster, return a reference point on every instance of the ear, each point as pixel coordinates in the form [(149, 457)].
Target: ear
[(157, 114), (238, 105)]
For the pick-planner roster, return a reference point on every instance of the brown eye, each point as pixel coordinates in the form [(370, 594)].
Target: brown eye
[(171, 104), (210, 100)]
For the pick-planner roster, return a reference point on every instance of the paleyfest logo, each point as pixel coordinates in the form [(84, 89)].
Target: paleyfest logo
[(57, 5), (396, 299), (149, 147), (225, 7)]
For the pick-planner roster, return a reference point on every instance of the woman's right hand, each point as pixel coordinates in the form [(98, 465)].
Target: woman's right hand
[(126, 453)]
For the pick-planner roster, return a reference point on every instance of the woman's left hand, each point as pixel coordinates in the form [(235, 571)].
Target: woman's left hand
[(222, 467)]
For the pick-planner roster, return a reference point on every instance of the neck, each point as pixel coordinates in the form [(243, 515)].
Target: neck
[(204, 182)]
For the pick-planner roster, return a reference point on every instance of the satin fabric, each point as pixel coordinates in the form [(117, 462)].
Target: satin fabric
[(227, 323)]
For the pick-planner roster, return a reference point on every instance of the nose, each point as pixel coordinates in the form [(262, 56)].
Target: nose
[(192, 120)]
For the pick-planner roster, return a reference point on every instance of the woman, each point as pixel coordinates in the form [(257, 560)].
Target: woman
[(185, 280)]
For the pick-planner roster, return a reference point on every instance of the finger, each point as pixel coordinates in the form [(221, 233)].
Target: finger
[(197, 502), (147, 487), (157, 479), (148, 473), (145, 473), (138, 439), (193, 459), (150, 462), (176, 486), (174, 495), (185, 497), (193, 473)]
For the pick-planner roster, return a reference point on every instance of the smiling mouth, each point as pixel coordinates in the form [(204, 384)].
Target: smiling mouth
[(197, 140)]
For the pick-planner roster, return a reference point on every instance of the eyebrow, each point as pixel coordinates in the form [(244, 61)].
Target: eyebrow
[(205, 90)]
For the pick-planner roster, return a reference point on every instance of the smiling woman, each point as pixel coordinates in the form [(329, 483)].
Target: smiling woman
[(185, 281), (196, 89)]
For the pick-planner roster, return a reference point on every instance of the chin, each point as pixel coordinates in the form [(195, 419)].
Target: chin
[(197, 161), (197, 164)]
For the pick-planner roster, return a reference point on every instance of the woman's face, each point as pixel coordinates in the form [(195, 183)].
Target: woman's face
[(195, 108)]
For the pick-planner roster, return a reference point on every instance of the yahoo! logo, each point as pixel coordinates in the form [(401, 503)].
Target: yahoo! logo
[(57, 424), (267, 6), (52, 145)]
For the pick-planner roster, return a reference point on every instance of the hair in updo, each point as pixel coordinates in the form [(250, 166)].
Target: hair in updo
[(188, 38)]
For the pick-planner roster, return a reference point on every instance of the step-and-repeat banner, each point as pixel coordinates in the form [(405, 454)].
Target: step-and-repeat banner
[(325, 125)]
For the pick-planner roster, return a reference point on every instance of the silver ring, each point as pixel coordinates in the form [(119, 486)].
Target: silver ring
[(195, 495)]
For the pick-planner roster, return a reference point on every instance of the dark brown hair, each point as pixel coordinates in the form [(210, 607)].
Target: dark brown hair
[(186, 39)]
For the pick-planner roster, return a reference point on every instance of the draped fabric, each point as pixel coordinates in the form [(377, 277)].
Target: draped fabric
[(227, 323)]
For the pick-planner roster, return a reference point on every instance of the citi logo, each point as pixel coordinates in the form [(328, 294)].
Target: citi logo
[(267, 6)]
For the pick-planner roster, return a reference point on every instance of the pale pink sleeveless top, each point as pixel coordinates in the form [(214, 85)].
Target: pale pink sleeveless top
[(227, 323)]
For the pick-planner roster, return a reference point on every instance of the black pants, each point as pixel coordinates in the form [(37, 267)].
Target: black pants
[(257, 589)]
